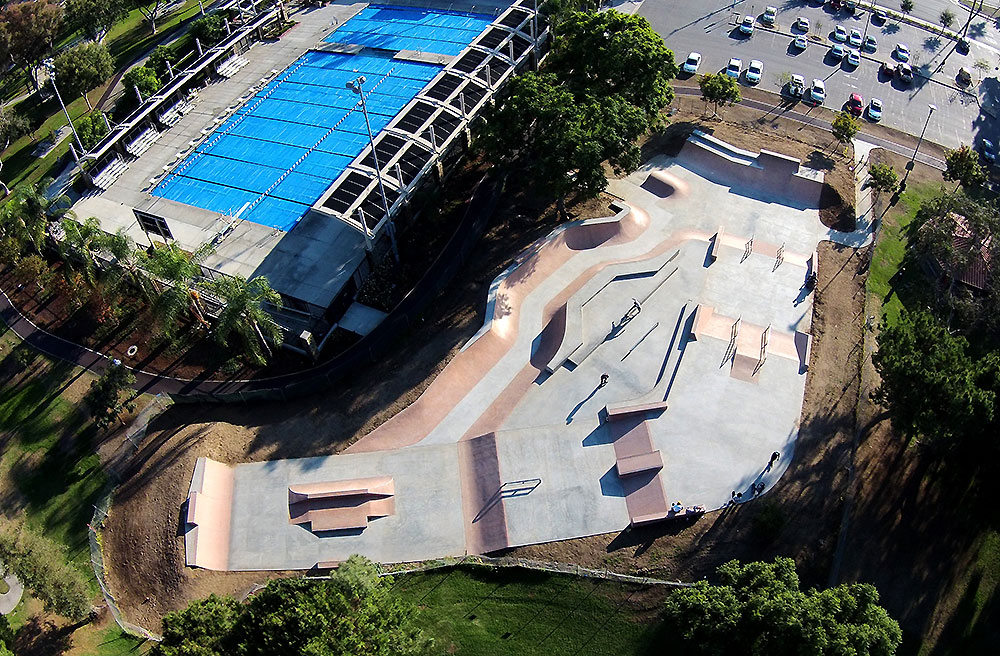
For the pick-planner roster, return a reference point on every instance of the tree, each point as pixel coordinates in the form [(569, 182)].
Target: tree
[(91, 128), (84, 68), (26, 217), (720, 90), (758, 609), (6, 637), (95, 17), (354, 612), (125, 274), (152, 10), (883, 178), (614, 54), (13, 126), (947, 18), (982, 65), (104, 398), (41, 566), (962, 165), (209, 29), (930, 383), (27, 31), (244, 314), (161, 60), (178, 269), (142, 80), (906, 6), (844, 127), (79, 243)]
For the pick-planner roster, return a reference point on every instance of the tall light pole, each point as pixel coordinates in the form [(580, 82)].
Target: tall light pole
[(909, 165), (356, 86), (50, 66)]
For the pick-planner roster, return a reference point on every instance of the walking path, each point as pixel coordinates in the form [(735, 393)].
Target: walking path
[(10, 599)]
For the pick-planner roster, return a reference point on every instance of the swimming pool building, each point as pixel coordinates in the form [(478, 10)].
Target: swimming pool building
[(261, 147)]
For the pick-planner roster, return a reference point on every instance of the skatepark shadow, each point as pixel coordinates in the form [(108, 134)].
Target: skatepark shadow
[(611, 483), (340, 533), (600, 435), (569, 417), (820, 161), (643, 537)]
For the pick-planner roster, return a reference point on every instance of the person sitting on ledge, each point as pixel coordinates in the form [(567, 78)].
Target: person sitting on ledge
[(677, 507)]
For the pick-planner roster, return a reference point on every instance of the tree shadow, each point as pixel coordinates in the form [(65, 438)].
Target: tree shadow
[(42, 637)]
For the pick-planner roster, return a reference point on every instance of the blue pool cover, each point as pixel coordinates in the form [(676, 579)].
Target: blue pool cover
[(249, 153), (402, 28)]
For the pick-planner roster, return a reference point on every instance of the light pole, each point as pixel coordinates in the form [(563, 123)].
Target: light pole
[(50, 66), (909, 165), (356, 86)]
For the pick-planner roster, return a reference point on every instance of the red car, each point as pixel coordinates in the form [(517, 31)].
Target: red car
[(856, 105)]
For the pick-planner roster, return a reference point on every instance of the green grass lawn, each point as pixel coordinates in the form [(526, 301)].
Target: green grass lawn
[(47, 456), (511, 611), (884, 280), (132, 37)]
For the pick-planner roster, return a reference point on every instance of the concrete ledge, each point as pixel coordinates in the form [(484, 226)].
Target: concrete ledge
[(619, 410), (640, 463), (702, 316), (713, 254)]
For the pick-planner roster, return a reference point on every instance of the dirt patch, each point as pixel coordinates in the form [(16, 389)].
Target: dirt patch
[(749, 128), (143, 544)]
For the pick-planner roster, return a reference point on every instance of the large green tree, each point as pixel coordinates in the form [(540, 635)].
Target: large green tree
[(26, 217), (759, 609), (27, 31), (962, 165), (40, 564), (111, 395), (611, 54), (95, 17), (354, 612), (244, 314), (83, 68), (931, 384), (175, 272), (844, 127)]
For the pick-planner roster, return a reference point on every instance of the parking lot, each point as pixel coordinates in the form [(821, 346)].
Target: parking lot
[(712, 28)]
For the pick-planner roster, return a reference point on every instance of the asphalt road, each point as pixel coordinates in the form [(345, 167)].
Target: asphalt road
[(707, 26)]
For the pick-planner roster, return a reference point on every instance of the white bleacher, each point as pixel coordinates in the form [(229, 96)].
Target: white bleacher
[(141, 144), (110, 173), (175, 111), (229, 67)]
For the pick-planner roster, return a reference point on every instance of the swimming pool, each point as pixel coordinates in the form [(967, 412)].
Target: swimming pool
[(277, 154)]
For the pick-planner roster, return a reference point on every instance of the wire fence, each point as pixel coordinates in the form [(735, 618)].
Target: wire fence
[(135, 433)]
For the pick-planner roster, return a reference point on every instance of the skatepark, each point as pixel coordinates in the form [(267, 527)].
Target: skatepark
[(634, 369)]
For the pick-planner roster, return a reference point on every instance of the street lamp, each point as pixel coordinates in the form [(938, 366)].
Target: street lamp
[(50, 66), (356, 86), (909, 166)]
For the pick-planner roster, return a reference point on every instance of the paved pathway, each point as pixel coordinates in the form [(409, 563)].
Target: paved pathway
[(9, 601)]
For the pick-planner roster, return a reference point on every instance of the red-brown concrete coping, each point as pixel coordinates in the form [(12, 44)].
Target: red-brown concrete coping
[(341, 505)]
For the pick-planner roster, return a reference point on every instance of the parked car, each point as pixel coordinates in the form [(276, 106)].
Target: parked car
[(840, 34), (692, 63), (801, 42), (769, 15), (964, 76), (989, 150), (887, 67), (755, 71), (875, 110), (796, 86), (855, 37), (904, 72), (879, 16), (817, 93), (835, 5), (856, 104), (962, 46), (853, 58), (802, 23), (747, 25), (902, 52), (734, 68), (837, 51), (871, 43), (851, 6)]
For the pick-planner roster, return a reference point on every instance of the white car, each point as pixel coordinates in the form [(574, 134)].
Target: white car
[(797, 86), (802, 23), (853, 58), (769, 14), (902, 52), (871, 43), (875, 110), (747, 25), (755, 71), (855, 38), (840, 34), (692, 63), (734, 68), (800, 42), (817, 93), (837, 51)]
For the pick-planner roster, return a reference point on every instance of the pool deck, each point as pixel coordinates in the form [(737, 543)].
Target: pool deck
[(515, 444)]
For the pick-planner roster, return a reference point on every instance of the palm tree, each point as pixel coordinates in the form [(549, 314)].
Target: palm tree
[(125, 274), (245, 315), (29, 212), (79, 243), (178, 269)]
